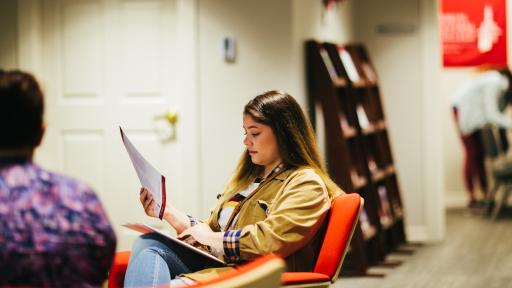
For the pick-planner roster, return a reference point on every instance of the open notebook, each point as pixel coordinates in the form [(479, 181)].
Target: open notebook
[(143, 228)]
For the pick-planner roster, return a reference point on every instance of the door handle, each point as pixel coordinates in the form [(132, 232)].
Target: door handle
[(171, 117)]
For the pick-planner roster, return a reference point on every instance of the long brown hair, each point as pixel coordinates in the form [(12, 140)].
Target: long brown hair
[(294, 134)]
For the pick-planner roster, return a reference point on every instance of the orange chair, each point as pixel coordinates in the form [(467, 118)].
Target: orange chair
[(263, 272), (342, 220), (118, 269)]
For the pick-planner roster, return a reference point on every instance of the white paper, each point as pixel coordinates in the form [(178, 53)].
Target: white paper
[(149, 177), (143, 228)]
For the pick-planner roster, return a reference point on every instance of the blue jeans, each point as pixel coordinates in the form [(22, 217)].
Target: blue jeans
[(156, 261)]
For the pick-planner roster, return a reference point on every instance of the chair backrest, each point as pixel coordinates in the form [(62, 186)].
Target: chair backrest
[(342, 221), (263, 272), (118, 269)]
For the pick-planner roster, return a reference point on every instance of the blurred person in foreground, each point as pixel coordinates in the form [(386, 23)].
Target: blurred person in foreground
[(479, 101), (53, 229)]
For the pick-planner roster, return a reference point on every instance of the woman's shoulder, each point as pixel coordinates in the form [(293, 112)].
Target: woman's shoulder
[(305, 171), (306, 179), (492, 78), (307, 175)]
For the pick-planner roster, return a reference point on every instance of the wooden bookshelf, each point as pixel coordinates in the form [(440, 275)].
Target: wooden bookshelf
[(342, 81)]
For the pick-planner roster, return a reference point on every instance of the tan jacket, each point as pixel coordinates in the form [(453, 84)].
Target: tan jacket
[(283, 217)]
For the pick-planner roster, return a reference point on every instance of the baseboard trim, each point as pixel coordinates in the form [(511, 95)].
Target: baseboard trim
[(417, 233), (455, 199)]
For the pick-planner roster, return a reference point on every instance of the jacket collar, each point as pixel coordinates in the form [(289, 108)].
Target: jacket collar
[(282, 176)]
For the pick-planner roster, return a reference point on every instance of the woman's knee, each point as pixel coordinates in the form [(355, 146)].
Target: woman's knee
[(143, 242)]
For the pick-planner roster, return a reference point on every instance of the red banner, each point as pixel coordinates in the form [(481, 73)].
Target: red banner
[(474, 33)]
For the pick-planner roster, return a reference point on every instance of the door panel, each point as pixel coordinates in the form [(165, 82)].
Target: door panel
[(108, 63)]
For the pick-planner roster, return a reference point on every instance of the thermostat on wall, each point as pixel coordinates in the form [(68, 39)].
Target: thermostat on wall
[(229, 49)]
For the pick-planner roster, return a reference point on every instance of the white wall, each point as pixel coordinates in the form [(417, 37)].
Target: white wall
[(270, 36), (262, 30), (400, 90), (409, 99), (8, 34)]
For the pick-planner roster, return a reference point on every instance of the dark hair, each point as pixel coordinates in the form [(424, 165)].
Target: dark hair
[(506, 98), (293, 131), (505, 72), (21, 110), (294, 134)]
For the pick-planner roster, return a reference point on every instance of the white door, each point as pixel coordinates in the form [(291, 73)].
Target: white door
[(107, 63)]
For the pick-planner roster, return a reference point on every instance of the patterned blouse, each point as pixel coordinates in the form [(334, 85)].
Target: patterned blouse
[(53, 230)]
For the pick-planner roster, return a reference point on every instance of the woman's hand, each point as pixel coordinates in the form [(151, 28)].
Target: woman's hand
[(178, 220), (202, 233), (147, 202)]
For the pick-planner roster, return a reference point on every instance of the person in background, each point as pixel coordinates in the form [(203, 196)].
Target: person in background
[(53, 229), (477, 102), (275, 203)]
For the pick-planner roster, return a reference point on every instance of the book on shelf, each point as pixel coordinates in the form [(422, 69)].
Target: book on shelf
[(397, 209), (199, 250), (369, 72), (380, 125), (148, 176), (372, 165), (328, 65), (348, 130), (356, 179), (385, 215), (362, 117), (349, 65), (367, 228), (343, 120)]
